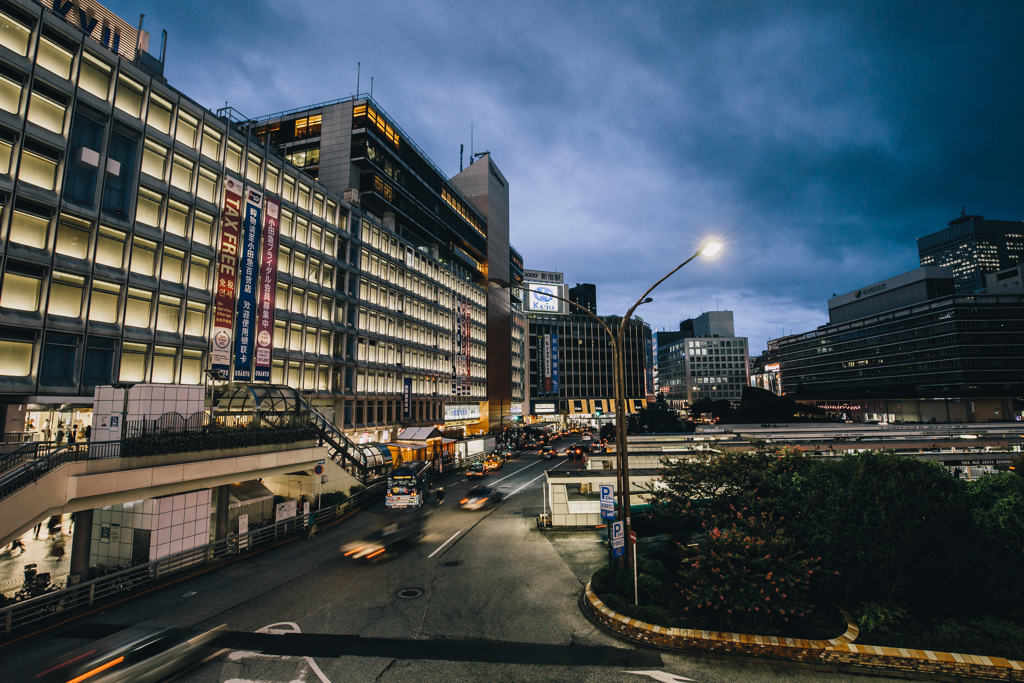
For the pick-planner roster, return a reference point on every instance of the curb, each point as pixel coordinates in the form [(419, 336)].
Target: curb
[(836, 654)]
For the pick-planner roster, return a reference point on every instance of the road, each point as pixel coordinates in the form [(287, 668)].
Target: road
[(495, 599)]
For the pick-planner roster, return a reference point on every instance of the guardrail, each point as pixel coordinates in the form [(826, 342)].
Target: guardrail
[(23, 468), (26, 613)]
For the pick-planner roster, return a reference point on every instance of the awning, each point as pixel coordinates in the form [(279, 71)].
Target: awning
[(247, 493)]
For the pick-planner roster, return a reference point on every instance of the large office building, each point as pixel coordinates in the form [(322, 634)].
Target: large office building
[(355, 149), (974, 246), (704, 359), (909, 349), (584, 295), (570, 356), (122, 201), (518, 321)]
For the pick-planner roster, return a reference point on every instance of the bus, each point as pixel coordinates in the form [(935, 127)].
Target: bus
[(409, 484)]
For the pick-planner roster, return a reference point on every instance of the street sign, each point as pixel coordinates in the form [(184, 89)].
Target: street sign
[(618, 540), (632, 537), (319, 469), (607, 501), (321, 461)]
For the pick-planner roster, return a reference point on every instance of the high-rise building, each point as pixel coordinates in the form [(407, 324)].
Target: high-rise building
[(584, 295), (703, 360), (518, 332), (355, 148), (973, 247)]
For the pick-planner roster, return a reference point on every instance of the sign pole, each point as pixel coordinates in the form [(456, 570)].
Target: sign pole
[(636, 588)]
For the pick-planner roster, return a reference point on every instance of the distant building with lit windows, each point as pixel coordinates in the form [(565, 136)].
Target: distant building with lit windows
[(974, 247), (704, 359)]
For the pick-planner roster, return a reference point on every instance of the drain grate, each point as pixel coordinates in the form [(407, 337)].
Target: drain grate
[(451, 563), (410, 593)]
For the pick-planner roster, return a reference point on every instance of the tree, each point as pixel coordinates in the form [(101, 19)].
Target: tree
[(607, 432), (748, 571), (659, 417)]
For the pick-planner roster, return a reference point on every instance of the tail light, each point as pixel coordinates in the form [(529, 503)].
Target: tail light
[(463, 501)]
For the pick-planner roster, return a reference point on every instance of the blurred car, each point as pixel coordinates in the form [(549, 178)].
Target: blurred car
[(481, 497), (494, 462), (476, 471), (548, 452), (406, 529), (575, 453), (138, 654)]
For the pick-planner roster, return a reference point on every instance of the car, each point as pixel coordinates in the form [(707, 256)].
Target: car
[(476, 471), (481, 497), (402, 530), (532, 445), (494, 462), (575, 453), (548, 452)]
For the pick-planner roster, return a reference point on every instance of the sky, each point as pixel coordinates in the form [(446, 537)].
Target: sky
[(817, 140)]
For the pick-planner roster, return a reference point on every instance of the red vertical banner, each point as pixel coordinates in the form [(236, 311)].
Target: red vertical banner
[(467, 329), (267, 293), (227, 276)]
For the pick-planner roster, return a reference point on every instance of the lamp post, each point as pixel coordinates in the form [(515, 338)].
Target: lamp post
[(618, 342)]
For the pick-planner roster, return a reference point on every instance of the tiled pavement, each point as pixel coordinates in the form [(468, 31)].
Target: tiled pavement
[(37, 551)]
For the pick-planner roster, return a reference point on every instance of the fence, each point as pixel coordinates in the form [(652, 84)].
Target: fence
[(175, 423)]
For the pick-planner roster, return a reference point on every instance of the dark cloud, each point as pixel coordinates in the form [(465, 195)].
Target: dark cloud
[(818, 139)]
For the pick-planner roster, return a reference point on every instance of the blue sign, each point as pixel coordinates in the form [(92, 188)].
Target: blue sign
[(618, 540), (607, 501), (554, 364), (407, 398), (248, 283)]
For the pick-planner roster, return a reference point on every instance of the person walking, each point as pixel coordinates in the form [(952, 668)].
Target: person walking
[(440, 495), (39, 528)]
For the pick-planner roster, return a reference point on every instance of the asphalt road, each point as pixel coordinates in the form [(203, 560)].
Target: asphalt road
[(497, 601)]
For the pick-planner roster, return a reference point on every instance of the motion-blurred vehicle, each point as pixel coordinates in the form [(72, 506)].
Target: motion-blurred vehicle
[(494, 462), (388, 539), (532, 445), (481, 497), (476, 471), (548, 452), (575, 453), (138, 654)]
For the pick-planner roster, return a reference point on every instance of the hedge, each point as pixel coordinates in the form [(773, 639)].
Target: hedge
[(217, 438)]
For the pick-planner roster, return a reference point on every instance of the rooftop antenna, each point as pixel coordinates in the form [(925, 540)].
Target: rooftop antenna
[(461, 147), (359, 72), (471, 144), (371, 87)]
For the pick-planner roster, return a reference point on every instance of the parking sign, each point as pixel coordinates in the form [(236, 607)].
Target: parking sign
[(618, 540), (607, 501)]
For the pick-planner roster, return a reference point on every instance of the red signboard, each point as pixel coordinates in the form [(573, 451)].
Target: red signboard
[(227, 274)]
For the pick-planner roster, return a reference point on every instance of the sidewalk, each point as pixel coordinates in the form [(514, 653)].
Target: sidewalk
[(37, 552)]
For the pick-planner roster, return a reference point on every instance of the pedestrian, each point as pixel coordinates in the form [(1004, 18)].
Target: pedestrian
[(440, 495), (71, 436), (60, 435), (312, 524), (39, 528), (88, 432)]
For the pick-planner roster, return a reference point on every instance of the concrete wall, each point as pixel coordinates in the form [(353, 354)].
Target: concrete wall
[(146, 530), (145, 402), (305, 483)]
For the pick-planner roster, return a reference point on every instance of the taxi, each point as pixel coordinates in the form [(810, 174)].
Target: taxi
[(494, 462)]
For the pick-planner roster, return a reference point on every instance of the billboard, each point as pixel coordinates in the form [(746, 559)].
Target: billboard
[(227, 275), (554, 364), (102, 25), (544, 276), (267, 294), (462, 328), (248, 283), (541, 298)]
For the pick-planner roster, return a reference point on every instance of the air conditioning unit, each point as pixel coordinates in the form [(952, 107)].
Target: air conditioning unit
[(351, 196)]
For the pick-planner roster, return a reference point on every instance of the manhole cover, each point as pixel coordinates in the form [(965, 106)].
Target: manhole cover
[(452, 563), (410, 593)]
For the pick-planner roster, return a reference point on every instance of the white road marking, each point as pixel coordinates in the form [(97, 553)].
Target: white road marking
[(444, 544), (524, 486), (515, 473), (663, 676), (273, 629)]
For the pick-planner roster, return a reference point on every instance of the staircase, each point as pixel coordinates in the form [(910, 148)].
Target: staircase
[(363, 460)]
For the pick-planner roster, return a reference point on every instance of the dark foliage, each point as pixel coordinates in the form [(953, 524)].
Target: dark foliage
[(216, 438)]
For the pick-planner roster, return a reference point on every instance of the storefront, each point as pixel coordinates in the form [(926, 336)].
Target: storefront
[(463, 418), (48, 421)]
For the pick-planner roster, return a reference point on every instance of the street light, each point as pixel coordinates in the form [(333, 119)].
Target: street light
[(709, 248)]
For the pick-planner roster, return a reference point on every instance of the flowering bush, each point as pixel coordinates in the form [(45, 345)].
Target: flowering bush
[(748, 571)]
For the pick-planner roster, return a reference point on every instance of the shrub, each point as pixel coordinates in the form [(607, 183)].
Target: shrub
[(332, 498), (216, 438)]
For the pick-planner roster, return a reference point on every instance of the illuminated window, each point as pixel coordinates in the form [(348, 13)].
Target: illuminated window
[(38, 165), (143, 257), (191, 366), (325, 309), (363, 116), (281, 299), (21, 289), (311, 338), (195, 319), (303, 200), (138, 307), (211, 142), (185, 133), (233, 159), (308, 127), (329, 241), (332, 212), (164, 358), (104, 301), (316, 237), (318, 205), (159, 114), (284, 256), (15, 358), (207, 188), (14, 34), (66, 292), (312, 303), (177, 218), (199, 272), (277, 372), (154, 159), (279, 331), (10, 93), (168, 313), (46, 109), (73, 236), (314, 271), (299, 265), (295, 338), (110, 247), (287, 222), (174, 264), (298, 295), (54, 57), (273, 176), (202, 228), (254, 167), (288, 192), (181, 172), (129, 96), (147, 210), (29, 229), (301, 230)]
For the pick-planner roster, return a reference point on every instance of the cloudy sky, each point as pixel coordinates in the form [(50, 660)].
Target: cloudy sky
[(818, 140)]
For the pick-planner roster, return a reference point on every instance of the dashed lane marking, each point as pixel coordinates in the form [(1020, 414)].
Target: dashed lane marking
[(444, 544)]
